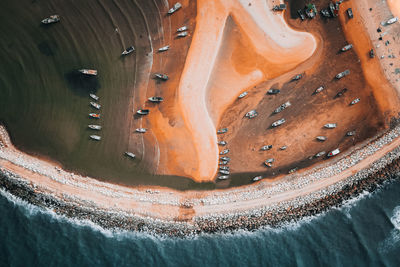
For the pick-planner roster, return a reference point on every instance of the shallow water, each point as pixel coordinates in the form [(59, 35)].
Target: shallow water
[(364, 232)]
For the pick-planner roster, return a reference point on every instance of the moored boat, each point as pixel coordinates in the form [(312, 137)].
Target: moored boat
[(88, 72), (95, 105), (143, 111), (51, 19), (94, 115), (95, 97), (182, 29), (128, 50), (163, 49), (141, 130), (94, 127), (257, 178), (95, 137), (223, 177), (182, 34), (242, 95), (160, 76), (174, 8)]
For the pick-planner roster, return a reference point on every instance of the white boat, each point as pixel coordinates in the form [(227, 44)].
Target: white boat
[(94, 127), (265, 148), (334, 152), (222, 143), (225, 151), (174, 8), (278, 122), (95, 105), (351, 133), (161, 76), (223, 162), (251, 114), (283, 147), (156, 99), (347, 47), (224, 168), (130, 154), (269, 162), (95, 137), (141, 130), (342, 74), (282, 107), (319, 90), (182, 29), (51, 19), (392, 20), (164, 48), (330, 125), (223, 130), (319, 154), (95, 97), (143, 111), (225, 159), (182, 34), (95, 115), (128, 51), (88, 72), (257, 178), (355, 101), (242, 95), (223, 177), (321, 138), (224, 172)]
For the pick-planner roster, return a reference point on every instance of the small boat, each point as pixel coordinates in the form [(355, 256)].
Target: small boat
[(265, 148), (273, 91), (342, 74), (225, 159), (88, 72), (94, 127), (95, 97), (330, 125), (257, 178), (293, 170), (242, 95), (225, 151), (282, 107), (321, 138), (182, 29), (224, 172), (95, 115), (163, 49), (269, 162), (351, 133), (223, 177), (174, 8), (222, 143), (319, 154), (347, 48), (130, 154), (182, 34), (355, 101), (156, 99), (95, 137), (334, 152), (160, 76), (51, 19), (251, 114), (224, 168), (141, 130), (223, 130), (278, 122), (319, 90), (341, 93), (224, 162), (283, 147), (128, 51), (95, 105), (392, 20), (297, 77), (143, 111)]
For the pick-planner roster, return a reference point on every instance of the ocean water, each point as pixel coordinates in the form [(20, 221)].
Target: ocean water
[(364, 232)]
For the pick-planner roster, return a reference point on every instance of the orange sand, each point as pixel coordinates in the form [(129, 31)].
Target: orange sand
[(394, 7)]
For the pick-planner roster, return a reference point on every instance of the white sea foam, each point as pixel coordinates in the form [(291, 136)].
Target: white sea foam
[(393, 240)]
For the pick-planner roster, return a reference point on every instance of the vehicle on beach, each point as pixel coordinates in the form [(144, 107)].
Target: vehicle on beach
[(334, 152), (88, 72), (222, 143), (94, 115), (269, 162), (301, 14), (355, 101), (224, 168), (224, 162), (342, 74), (95, 105), (174, 8), (225, 159), (283, 148), (293, 170), (224, 172), (182, 29), (273, 91), (321, 138), (265, 148), (94, 127), (130, 154), (351, 133), (156, 99), (141, 130), (128, 50), (346, 48), (251, 114), (319, 90), (350, 13), (223, 177), (51, 19), (95, 137), (242, 95), (282, 107), (164, 48), (278, 122), (319, 154), (223, 152), (392, 20), (257, 178), (297, 77), (143, 111), (182, 34), (95, 97), (160, 76), (279, 7), (341, 93), (330, 125), (223, 130)]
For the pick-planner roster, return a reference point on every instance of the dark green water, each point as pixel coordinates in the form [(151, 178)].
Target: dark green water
[(45, 105)]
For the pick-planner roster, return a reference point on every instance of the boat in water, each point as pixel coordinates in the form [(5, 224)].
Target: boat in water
[(141, 130), (128, 50), (223, 177), (143, 111), (130, 154), (51, 19), (182, 29), (174, 8), (156, 99), (163, 49), (257, 178), (95, 105), (334, 152), (160, 76), (88, 72), (95, 97), (94, 115), (94, 127), (95, 137)]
